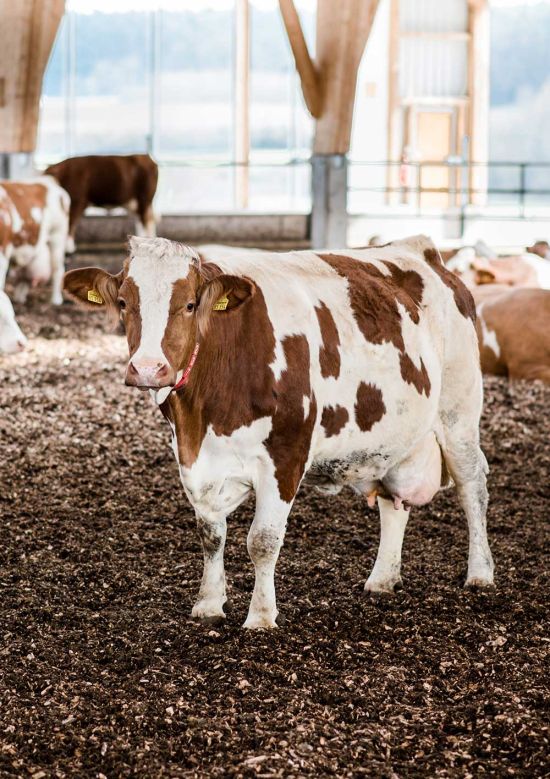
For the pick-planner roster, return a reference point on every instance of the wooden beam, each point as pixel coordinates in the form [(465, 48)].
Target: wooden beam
[(343, 29), (309, 78), (27, 35)]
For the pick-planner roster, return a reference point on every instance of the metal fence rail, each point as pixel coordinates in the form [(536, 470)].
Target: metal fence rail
[(519, 195)]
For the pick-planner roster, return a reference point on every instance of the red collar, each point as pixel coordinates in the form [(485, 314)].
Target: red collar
[(184, 379)]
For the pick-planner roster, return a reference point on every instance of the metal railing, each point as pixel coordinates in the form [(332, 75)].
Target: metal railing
[(462, 195)]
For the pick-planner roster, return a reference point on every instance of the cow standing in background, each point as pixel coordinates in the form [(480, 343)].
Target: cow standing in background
[(109, 181), (34, 223), (352, 367)]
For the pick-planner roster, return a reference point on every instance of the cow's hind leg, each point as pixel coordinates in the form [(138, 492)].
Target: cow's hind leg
[(386, 573), (468, 467), (212, 594), (264, 543), (146, 222)]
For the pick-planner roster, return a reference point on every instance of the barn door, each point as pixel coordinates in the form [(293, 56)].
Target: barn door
[(435, 140)]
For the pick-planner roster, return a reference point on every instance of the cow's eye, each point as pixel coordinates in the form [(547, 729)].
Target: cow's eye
[(190, 306), (121, 304)]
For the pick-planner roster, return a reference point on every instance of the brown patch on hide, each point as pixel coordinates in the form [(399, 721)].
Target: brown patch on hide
[(25, 197), (412, 375), (329, 354), (462, 295), (369, 406), (334, 419), (290, 439), (374, 298)]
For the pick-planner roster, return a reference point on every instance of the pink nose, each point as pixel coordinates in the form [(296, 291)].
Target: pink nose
[(150, 373), (21, 345)]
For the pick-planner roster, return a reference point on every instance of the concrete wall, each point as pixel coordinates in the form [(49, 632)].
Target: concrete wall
[(281, 230)]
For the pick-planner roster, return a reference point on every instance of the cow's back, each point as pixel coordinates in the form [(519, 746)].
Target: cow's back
[(107, 180), (373, 326)]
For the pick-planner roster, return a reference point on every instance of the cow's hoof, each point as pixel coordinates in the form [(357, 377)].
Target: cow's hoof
[(208, 613), (479, 583), (384, 587), (260, 622)]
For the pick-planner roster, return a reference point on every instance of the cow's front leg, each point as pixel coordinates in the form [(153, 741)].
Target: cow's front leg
[(212, 595), (386, 573), (264, 542)]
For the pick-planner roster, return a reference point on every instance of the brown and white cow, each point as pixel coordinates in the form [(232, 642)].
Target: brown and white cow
[(109, 181), (352, 367), (513, 328), (34, 222), (521, 270), (11, 338)]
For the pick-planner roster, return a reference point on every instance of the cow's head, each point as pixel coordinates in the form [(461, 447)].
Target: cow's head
[(166, 303), (11, 338)]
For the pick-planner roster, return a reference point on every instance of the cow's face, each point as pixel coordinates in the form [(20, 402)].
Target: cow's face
[(11, 338), (164, 302)]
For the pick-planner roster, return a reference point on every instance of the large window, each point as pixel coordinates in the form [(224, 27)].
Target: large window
[(140, 75)]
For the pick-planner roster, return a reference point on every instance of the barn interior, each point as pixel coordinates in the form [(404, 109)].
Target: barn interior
[(282, 125)]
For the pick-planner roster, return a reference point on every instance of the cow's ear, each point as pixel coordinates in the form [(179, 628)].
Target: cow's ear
[(221, 297), (92, 288)]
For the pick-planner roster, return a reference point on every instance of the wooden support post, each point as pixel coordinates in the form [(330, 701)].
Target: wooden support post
[(242, 101), (27, 34), (329, 85), (343, 29)]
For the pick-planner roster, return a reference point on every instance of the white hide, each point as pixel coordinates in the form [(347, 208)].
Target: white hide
[(11, 338), (489, 337), (541, 268)]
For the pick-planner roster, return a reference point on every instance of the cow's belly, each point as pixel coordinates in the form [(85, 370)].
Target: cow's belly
[(413, 479)]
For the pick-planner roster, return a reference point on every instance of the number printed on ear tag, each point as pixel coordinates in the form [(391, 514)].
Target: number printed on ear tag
[(95, 297), (221, 304)]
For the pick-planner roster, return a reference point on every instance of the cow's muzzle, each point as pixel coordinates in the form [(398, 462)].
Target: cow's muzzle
[(150, 374)]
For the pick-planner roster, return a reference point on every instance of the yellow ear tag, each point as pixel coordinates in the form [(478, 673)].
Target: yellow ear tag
[(95, 297), (221, 304)]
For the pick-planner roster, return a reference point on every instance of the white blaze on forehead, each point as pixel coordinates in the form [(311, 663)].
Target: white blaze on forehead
[(155, 265)]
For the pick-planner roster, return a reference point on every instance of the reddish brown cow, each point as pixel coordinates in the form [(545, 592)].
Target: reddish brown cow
[(109, 181), (513, 329)]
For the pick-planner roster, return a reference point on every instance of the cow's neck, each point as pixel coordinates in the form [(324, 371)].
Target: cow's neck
[(231, 383)]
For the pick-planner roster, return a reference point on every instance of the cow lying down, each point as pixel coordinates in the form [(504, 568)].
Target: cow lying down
[(513, 328), (352, 367)]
